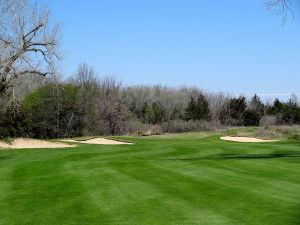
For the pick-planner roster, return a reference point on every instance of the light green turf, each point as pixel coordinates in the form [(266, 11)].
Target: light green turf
[(174, 179)]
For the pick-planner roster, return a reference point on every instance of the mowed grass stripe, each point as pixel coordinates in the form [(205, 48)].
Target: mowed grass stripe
[(174, 179), (44, 193), (132, 200), (205, 195)]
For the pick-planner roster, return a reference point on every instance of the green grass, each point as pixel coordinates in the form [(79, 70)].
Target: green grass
[(171, 179), (271, 132)]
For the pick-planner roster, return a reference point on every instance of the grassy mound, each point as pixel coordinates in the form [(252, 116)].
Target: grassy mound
[(271, 132)]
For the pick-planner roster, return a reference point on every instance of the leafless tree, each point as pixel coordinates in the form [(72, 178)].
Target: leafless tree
[(85, 78), (28, 83), (295, 98), (281, 7), (216, 102), (28, 41), (110, 107), (135, 97)]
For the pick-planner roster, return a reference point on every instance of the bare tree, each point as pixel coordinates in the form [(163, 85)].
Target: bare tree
[(28, 41), (85, 78), (216, 102), (295, 99), (281, 7), (111, 110)]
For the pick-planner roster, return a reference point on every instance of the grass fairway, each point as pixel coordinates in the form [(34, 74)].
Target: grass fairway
[(174, 179)]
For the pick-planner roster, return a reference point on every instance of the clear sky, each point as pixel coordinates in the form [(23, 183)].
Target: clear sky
[(234, 46)]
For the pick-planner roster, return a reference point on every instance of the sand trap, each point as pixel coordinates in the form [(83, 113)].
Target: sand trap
[(100, 141), (20, 143), (245, 139)]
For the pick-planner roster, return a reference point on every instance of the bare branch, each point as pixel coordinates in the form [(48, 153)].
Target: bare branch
[(27, 40), (281, 7), (34, 72)]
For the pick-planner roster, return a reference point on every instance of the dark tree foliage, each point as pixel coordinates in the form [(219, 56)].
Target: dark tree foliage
[(98, 107), (251, 118), (152, 113), (286, 112), (197, 108), (233, 111), (257, 105), (278, 107), (254, 112), (15, 120), (291, 113), (53, 111), (237, 107)]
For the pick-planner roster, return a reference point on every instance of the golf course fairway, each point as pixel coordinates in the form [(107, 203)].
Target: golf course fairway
[(192, 179)]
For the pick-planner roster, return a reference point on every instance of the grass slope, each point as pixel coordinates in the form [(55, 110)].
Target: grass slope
[(174, 179)]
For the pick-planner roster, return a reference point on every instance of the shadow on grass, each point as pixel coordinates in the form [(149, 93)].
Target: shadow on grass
[(4, 157), (258, 156), (243, 156)]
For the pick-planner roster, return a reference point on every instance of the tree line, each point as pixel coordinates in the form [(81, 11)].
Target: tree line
[(34, 102), (85, 104)]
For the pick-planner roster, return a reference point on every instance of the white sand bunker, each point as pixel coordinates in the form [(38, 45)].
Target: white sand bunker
[(100, 141), (245, 139), (21, 143)]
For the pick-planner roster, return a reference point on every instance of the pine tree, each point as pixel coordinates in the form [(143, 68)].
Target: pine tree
[(197, 109)]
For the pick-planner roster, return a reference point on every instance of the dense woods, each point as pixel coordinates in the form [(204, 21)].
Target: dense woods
[(35, 102), (86, 104)]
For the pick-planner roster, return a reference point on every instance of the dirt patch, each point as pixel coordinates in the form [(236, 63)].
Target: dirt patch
[(21, 143), (245, 139), (100, 141)]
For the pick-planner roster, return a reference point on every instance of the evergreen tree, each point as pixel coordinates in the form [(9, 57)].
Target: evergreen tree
[(197, 109), (233, 111), (251, 118), (257, 105)]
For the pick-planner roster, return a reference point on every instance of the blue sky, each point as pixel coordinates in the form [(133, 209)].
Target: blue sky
[(234, 46)]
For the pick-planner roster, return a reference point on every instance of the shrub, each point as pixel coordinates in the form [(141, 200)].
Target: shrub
[(138, 133), (294, 137), (154, 130), (267, 121), (180, 126), (3, 132), (133, 126), (14, 120)]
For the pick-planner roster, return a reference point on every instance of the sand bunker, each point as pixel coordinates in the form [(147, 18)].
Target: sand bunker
[(21, 143), (100, 141), (245, 139)]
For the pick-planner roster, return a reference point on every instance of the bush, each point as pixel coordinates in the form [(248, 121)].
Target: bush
[(3, 132), (267, 121), (180, 126), (133, 126), (139, 133), (154, 130), (14, 120), (294, 137)]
